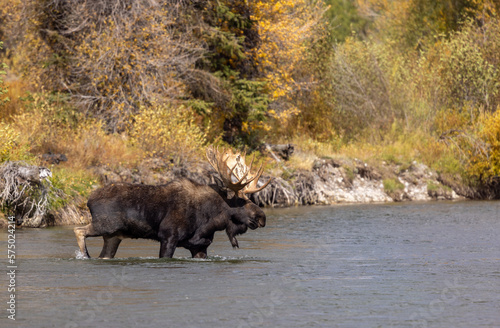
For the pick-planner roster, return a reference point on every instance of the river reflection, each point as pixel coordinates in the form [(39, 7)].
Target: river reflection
[(395, 265)]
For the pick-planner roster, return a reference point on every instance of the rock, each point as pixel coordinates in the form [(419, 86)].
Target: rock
[(455, 183), (330, 182), (35, 221), (106, 175), (320, 162), (51, 158), (368, 172), (283, 151)]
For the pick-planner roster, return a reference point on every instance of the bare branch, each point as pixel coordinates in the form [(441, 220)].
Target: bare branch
[(24, 188)]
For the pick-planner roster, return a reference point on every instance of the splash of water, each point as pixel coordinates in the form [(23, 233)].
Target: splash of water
[(79, 255)]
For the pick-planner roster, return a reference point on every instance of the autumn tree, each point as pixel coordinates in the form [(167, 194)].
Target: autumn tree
[(112, 56), (344, 19), (418, 23), (228, 85), (289, 31)]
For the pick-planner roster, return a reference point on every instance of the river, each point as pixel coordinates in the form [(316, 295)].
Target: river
[(434, 264)]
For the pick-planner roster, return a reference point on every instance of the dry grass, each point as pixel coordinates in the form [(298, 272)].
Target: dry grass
[(302, 160), (395, 147), (93, 147), (16, 90), (45, 126)]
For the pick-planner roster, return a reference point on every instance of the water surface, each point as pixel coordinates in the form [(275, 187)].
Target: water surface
[(397, 265)]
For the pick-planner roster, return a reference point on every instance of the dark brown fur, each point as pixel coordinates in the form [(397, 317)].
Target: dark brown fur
[(181, 213)]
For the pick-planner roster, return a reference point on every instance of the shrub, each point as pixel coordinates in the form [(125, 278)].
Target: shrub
[(3, 89), (50, 124), (8, 137), (167, 131), (485, 161), (73, 185), (362, 89), (392, 185), (112, 56), (469, 80)]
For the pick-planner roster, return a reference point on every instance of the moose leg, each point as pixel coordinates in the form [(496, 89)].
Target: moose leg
[(167, 247), (110, 246), (82, 233)]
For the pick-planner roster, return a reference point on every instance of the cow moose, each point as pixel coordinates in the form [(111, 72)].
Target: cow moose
[(181, 213)]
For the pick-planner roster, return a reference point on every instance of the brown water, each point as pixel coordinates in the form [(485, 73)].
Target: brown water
[(398, 265)]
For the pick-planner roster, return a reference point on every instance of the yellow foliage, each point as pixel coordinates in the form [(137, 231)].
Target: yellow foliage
[(15, 90), (451, 119), (47, 126), (8, 138), (387, 13), (485, 162), (167, 131), (284, 27)]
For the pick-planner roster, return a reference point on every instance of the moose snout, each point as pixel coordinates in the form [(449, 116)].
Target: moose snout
[(258, 221), (253, 224)]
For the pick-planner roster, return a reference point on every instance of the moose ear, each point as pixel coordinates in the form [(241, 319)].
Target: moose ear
[(218, 182), (222, 191)]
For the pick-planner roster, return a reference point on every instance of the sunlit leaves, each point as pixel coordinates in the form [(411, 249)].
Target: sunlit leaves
[(8, 138), (3, 89), (167, 131)]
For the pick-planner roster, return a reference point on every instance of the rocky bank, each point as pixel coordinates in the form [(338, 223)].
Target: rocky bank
[(336, 182), (329, 182)]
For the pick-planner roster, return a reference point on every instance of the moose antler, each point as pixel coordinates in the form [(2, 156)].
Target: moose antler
[(227, 164)]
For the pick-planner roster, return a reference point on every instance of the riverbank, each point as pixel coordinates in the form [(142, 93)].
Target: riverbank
[(329, 181)]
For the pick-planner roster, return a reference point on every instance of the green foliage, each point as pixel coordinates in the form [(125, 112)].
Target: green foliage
[(200, 107), (427, 19), (243, 104), (392, 185), (449, 163), (350, 173), (437, 188), (469, 80), (344, 20), (226, 39), (70, 185)]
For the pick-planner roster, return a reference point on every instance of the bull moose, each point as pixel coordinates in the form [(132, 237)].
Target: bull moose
[(181, 213)]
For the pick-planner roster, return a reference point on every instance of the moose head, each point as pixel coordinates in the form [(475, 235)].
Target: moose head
[(237, 177)]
